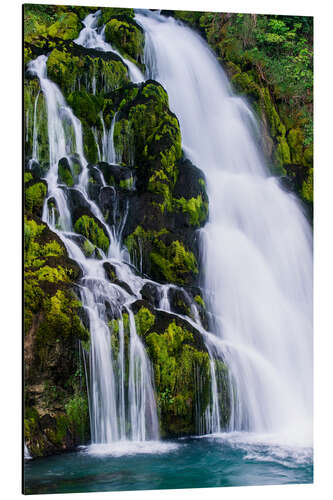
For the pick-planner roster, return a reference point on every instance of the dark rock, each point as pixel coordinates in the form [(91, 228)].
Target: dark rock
[(110, 271), (180, 302), (124, 285), (151, 293), (189, 181)]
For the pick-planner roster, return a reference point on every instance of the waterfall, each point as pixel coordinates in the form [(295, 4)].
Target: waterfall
[(92, 37), (116, 413), (257, 244)]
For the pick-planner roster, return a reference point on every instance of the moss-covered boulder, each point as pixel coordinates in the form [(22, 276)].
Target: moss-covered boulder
[(91, 228), (52, 329), (125, 35), (72, 66), (67, 26), (182, 370), (34, 195)]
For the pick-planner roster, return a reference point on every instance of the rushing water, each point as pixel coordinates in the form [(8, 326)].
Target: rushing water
[(257, 243), (110, 408)]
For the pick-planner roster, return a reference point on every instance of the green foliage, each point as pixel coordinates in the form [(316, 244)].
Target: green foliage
[(67, 26), (147, 136), (66, 68), (176, 362), (126, 36), (34, 198), (199, 300), (60, 319), (109, 12), (307, 187), (65, 174), (144, 320), (78, 415), (195, 207), (86, 106), (37, 19), (88, 227), (174, 262)]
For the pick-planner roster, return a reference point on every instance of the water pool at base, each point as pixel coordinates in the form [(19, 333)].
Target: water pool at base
[(186, 463)]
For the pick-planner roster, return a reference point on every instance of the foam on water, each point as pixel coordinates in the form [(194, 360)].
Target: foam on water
[(121, 448)]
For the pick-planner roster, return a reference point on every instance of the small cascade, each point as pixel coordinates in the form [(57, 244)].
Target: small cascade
[(34, 138), (118, 411), (140, 389), (27, 455), (108, 149), (93, 37)]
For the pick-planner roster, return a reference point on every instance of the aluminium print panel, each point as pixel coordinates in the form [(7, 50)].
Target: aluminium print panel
[(167, 249)]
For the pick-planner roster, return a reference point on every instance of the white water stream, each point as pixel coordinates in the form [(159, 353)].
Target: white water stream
[(257, 243), (114, 415)]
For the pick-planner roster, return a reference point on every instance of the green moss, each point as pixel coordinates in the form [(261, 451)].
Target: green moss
[(51, 274), (245, 84), (147, 136), (86, 106), (63, 68), (199, 300), (60, 319), (282, 152), (37, 19), (78, 415), (195, 207), (67, 68), (307, 187), (65, 174), (109, 12), (174, 262), (27, 176), (126, 184), (67, 27), (169, 262), (88, 248), (34, 198), (295, 141), (176, 363), (88, 227), (144, 320), (32, 92), (159, 183), (126, 36)]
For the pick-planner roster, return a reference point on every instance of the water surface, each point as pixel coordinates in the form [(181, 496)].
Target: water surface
[(234, 460)]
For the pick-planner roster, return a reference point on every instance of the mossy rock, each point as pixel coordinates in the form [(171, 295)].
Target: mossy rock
[(67, 26), (91, 228), (34, 195), (176, 364), (167, 262), (35, 112), (72, 66), (126, 36), (108, 12), (147, 137)]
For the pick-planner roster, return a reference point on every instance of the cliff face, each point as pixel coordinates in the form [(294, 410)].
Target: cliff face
[(269, 60), (165, 199)]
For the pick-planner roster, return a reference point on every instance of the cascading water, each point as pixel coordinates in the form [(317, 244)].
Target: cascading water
[(115, 413), (257, 244)]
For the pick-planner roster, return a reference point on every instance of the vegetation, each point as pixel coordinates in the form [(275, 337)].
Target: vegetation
[(269, 59)]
